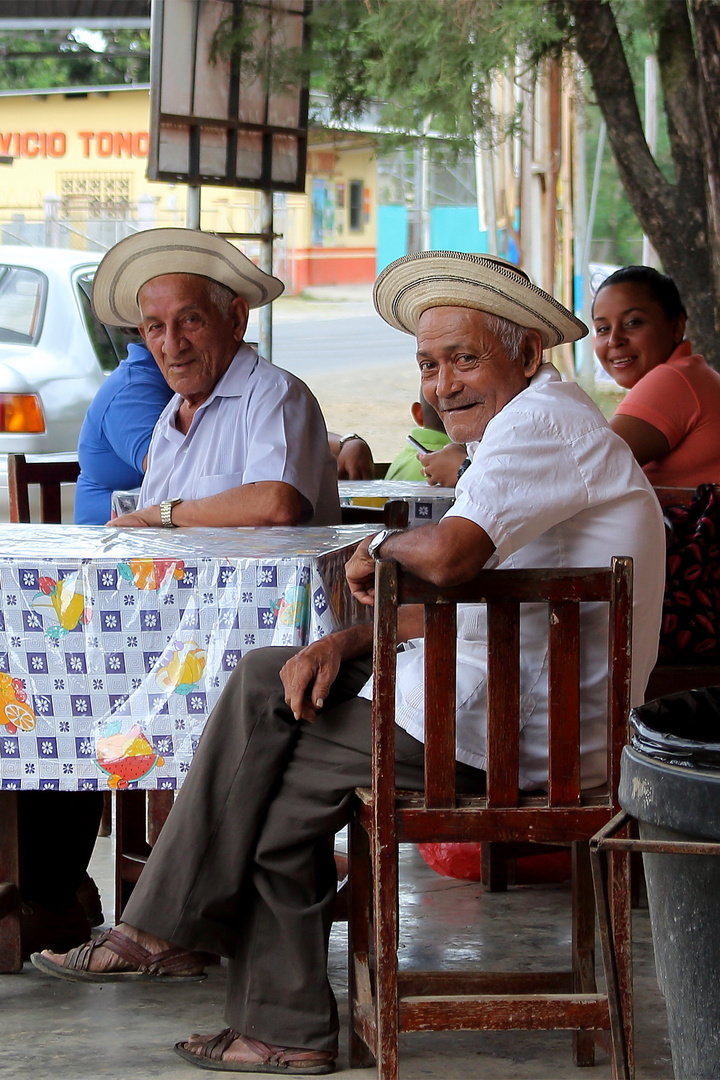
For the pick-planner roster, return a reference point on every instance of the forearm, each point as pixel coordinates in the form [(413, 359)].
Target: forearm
[(446, 554), (264, 503)]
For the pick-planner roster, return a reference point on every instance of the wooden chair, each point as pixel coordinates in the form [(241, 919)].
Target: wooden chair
[(48, 477), (138, 819), (385, 1001), (393, 515)]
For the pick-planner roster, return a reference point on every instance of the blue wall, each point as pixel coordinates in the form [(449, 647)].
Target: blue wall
[(452, 228), (391, 234), (455, 228)]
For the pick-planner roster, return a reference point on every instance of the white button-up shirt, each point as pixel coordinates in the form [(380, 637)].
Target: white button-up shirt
[(259, 423), (551, 485)]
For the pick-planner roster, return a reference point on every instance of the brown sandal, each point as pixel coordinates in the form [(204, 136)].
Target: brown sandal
[(273, 1059), (171, 965)]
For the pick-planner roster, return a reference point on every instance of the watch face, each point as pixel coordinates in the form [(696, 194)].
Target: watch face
[(377, 541)]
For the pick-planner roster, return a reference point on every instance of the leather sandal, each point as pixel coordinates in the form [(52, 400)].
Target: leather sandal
[(273, 1059), (171, 965)]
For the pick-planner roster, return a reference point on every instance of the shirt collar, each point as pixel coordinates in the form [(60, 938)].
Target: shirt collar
[(234, 381), (546, 373)]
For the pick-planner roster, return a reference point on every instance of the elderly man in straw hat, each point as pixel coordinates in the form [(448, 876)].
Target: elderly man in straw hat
[(242, 442), (243, 866)]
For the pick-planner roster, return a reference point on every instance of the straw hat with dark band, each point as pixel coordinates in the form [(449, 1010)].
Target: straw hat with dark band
[(154, 252), (411, 285)]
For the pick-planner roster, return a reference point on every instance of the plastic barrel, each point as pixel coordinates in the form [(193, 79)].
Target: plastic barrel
[(670, 783)]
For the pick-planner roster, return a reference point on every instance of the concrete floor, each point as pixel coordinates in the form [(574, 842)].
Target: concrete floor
[(51, 1030)]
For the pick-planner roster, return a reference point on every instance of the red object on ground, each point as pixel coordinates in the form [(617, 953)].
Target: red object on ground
[(462, 861)]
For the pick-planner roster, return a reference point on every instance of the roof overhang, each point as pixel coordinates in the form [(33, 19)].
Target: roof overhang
[(66, 14)]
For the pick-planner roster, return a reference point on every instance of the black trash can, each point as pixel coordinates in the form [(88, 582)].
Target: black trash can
[(670, 783)]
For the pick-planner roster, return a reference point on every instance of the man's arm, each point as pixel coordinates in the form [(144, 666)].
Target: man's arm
[(268, 502), (449, 553), (354, 457)]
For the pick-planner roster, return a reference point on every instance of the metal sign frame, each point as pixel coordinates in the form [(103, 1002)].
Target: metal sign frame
[(221, 122)]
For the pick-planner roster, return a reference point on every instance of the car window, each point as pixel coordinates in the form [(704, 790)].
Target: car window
[(22, 304), (109, 342)]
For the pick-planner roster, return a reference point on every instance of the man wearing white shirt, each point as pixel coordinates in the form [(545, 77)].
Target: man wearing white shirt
[(243, 866), (242, 442)]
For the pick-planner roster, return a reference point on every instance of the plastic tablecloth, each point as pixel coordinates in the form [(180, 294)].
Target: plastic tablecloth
[(115, 644), (427, 502)]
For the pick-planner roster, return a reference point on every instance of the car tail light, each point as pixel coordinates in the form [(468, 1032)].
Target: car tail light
[(21, 414)]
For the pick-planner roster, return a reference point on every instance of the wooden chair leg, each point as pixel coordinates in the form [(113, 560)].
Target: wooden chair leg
[(10, 945), (360, 992), (385, 907), (494, 866), (583, 947), (131, 845), (159, 805), (106, 819), (619, 889)]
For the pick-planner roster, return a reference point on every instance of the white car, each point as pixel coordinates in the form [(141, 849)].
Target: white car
[(54, 354)]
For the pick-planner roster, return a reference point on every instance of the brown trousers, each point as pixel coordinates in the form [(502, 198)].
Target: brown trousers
[(243, 866)]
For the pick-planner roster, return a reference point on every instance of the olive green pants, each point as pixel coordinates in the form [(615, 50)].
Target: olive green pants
[(243, 866)]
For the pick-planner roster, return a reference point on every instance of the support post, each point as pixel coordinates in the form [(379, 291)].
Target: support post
[(266, 264)]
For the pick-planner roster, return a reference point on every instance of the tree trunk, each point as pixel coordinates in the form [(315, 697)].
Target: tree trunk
[(706, 18), (673, 215)]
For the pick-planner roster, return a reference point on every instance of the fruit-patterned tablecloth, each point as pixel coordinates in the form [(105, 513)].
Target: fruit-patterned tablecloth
[(116, 644)]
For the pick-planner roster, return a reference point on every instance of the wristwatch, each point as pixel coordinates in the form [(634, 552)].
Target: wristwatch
[(379, 539), (166, 509), (349, 437)]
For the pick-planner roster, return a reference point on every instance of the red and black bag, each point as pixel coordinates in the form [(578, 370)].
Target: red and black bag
[(691, 607)]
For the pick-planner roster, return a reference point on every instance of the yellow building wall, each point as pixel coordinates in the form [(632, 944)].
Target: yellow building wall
[(86, 157)]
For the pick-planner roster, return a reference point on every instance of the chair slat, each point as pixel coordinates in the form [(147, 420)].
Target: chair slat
[(48, 476), (503, 703), (441, 646), (564, 704)]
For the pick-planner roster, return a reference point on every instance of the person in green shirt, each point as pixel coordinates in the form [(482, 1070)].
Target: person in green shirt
[(429, 432)]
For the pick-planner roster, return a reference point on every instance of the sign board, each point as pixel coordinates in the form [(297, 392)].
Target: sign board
[(226, 122)]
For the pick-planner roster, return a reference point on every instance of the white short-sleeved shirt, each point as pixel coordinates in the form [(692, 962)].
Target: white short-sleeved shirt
[(552, 486), (259, 423)]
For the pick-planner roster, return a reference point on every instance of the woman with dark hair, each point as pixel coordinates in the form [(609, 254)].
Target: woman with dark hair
[(671, 416)]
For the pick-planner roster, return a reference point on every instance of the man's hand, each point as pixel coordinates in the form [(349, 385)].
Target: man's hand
[(355, 461), (441, 467), (360, 573), (149, 517), (308, 676)]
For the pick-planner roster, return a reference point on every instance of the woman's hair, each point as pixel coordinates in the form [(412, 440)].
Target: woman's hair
[(662, 287)]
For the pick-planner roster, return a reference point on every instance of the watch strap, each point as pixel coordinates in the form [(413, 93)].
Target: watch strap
[(349, 437), (379, 539), (166, 509)]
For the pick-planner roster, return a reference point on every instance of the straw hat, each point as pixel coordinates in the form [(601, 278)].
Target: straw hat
[(411, 285), (153, 252)]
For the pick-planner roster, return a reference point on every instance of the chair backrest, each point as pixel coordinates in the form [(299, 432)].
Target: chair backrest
[(48, 476), (503, 591)]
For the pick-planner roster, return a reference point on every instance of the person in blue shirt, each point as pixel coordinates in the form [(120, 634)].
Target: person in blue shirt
[(115, 435), (56, 838)]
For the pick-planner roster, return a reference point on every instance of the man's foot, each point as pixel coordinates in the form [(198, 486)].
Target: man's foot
[(123, 954), (231, 1052)]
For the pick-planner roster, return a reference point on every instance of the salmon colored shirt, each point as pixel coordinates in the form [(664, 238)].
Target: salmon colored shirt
[(681, 398)]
